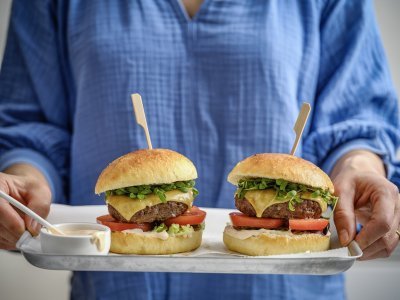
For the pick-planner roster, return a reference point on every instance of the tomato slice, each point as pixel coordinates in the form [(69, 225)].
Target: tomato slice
[(193, 208), (192, 216), (308, 224), (242, 220), (115, 225)]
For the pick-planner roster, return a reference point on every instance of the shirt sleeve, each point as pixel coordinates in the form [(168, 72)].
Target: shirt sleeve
[(356, 106), (34, 109)]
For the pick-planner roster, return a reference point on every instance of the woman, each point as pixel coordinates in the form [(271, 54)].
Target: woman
[(219, 84)]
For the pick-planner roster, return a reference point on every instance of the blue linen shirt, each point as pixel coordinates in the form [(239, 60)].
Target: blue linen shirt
[(217, 88)]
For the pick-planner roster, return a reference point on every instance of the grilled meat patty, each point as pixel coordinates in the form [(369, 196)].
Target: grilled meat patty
[(156, 213), (306, 209)]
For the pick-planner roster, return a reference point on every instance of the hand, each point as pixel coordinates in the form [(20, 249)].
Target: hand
[(367, 197), (28, 185)]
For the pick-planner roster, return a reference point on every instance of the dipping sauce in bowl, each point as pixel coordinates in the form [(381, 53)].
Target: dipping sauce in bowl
[(79, 239), (77, 232)]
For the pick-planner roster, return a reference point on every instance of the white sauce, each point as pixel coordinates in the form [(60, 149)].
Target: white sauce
[(248, 233), (99, 239), (76, 232), (152, 234)]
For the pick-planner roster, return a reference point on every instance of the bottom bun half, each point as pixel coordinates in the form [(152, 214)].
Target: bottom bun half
[(270, 243), (133, 243)]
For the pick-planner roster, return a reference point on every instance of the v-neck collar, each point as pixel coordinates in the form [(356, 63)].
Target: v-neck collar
[(184, 13)]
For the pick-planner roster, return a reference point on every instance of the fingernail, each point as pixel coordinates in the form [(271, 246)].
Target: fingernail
[(37, 228), (344, 237), (29, 223), (33, 225)]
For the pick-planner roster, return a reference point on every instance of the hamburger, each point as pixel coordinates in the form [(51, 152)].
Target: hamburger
[(149, 195), (281, 199)]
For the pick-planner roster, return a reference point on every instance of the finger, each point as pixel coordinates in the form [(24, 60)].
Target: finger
[(4, 240), (10, 219), (38, 200), (30, 224), (363, 215), (6, 246), (7, 236), (380, 254), (345, 220), (380, 223), (34, 228), (39, 205), (4, 185), (388, 243)]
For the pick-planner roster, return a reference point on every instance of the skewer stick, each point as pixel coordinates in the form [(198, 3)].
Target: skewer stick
[(141, 116), (300, 124)]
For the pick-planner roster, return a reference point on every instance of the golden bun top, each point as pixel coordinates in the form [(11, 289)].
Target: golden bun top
[(145, 166), (281, 166)]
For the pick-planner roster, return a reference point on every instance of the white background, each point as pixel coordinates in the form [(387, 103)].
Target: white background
[(378, 279)]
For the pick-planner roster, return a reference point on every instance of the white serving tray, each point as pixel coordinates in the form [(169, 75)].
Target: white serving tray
[(211, 257)]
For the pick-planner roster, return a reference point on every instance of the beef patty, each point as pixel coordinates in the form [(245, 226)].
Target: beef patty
[(306, 209), (159, 212)]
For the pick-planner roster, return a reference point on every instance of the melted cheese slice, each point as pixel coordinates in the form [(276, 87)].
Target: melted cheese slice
[(322, 203), (262, 199), (127, 207)]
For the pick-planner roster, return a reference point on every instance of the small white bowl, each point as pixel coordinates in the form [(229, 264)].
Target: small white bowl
[(76, 244)]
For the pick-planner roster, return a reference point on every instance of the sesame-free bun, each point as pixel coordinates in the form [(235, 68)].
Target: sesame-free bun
[(272, 243), (145, 166), (281, 166), (137, 243)]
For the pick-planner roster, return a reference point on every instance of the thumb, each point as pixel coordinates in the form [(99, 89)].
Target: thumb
[(345, 220), (40, 204)]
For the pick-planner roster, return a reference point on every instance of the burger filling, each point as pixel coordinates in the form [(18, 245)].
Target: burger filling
[(158, 211), (163, 232), (142, 191), (303, 210), (178, 230), (281, 205), (263, 193), (149, 203), (150, 209)]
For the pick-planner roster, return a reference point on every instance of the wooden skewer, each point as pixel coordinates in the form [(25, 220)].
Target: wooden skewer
[(141, 116), (300, 124)]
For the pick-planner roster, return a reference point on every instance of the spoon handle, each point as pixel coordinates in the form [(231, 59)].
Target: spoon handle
[(29, 212)]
